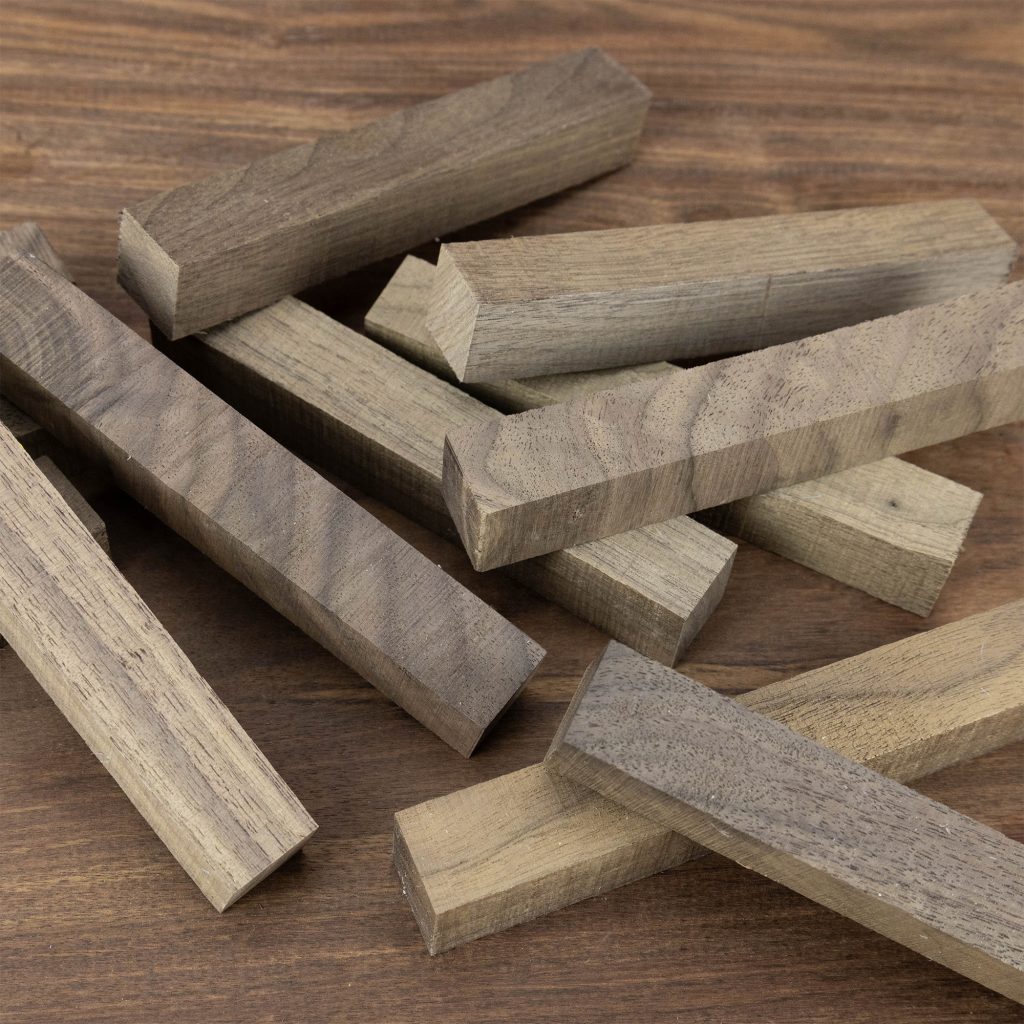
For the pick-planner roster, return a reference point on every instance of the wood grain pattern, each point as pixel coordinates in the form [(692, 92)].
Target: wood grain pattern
[(753, 789), (121, 681), (552, 477), (303, 546), (888, 528), (519, 307), (204, 253), (377, 420), (760, 109), (521, 845)]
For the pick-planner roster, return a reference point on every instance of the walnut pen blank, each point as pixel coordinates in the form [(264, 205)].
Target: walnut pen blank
[(206, 252), (133, 696), (638, 454)]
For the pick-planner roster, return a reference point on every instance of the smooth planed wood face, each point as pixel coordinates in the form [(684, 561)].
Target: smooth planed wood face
[(377, 420), (520, 307), (132, 695), (888, 528), (303, 546), (511, 849), (557, 476), (203, 253), (758, 792), (28, 237)]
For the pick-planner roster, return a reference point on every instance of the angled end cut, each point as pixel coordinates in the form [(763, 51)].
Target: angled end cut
[(149, 276)]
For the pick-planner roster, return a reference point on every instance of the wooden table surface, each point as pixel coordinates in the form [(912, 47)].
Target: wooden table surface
[(759, 108)]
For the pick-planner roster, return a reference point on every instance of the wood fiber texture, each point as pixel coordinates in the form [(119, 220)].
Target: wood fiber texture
[(759, 109), (132, 695), (246, 502), (28, 237), (509, 850), (73, 498), (612, 461), (362, 412), (206, 252), (758, 792), (888, 528), (520, 307)]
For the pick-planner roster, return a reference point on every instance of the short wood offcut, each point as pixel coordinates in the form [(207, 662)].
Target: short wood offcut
[(28, 237), (365, 413), (509, 850), (259, 512), (758, 792), (618, 459), (203, 253), (133, 696), (519, 307), (888, 528)]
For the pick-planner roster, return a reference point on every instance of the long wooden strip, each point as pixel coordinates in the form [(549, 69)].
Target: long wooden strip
[(758, 792), (558, 476), (203, 253), (365, 413), (519, 307), (256, 510), (509, 850), (133, 696), (888, 528)]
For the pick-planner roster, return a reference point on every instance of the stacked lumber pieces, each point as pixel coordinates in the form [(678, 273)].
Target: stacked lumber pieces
[(517, 398)]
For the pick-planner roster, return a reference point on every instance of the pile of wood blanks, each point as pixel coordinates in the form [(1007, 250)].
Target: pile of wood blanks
[(590, 411)]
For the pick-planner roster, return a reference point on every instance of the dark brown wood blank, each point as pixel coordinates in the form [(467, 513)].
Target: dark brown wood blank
[(203, 253), (132, 695), (610, 462), (258, 511), (758, 792)]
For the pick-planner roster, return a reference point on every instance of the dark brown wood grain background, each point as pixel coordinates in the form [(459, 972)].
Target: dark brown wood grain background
[(759, 108)]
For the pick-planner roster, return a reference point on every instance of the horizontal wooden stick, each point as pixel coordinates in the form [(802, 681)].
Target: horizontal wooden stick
[(203, 253), (258, 511), (888, 528), (350, 405), (750, 788), (509, 850), (133, 696), (519, 307), (609, 462)]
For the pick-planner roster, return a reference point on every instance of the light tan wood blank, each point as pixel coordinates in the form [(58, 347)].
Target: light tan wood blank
[(519, 307), (618, 459), (203, 253), (888, 528), (752, 789), (365, 413), (133, 696), (307, 549), (509, 850)]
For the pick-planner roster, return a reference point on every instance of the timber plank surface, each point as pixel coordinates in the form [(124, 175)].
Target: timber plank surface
[(365, 413), (888, 528), (522, 307), (132, 695), (511, 849), (757, 791), (757, 110), (447, 658), (207, 252), (640, 453)]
